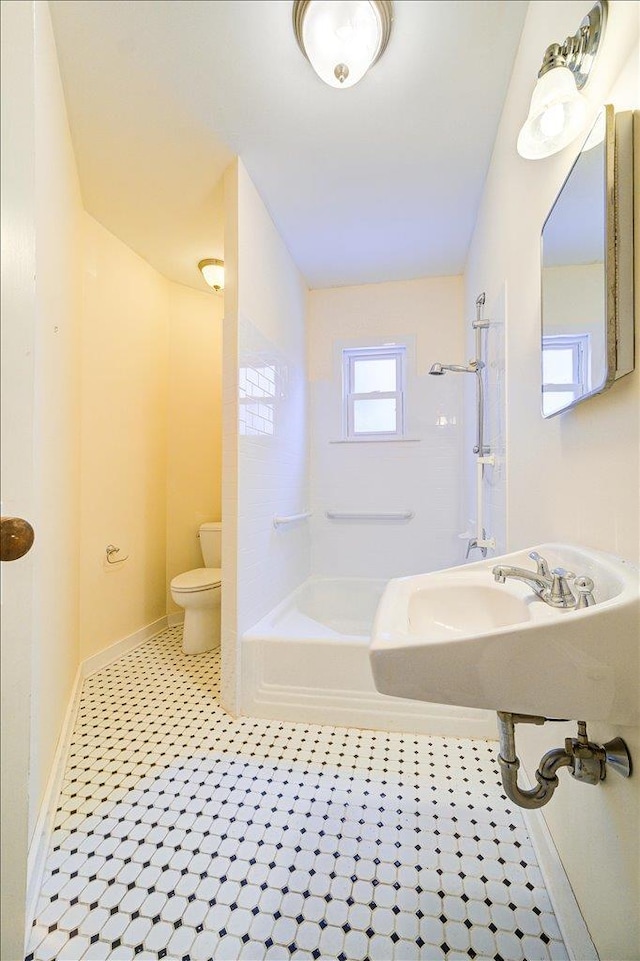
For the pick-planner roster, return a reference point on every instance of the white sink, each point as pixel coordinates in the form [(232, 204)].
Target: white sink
[(458, 637)]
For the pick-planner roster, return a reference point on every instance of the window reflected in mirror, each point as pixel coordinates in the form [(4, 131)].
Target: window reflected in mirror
[(574, 357)]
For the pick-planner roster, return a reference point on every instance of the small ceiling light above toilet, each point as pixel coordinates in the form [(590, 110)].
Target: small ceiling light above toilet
[(342, 39), (559, 111), (213, 273)]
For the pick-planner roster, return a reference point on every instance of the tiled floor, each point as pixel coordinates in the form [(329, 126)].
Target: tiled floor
[(185, 834)]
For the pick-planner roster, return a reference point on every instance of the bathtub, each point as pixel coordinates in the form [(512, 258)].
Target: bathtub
[(308, 660)]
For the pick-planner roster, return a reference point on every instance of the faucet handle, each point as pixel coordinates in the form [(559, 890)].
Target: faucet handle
[(584, 586), (542, 565), (560, 594)]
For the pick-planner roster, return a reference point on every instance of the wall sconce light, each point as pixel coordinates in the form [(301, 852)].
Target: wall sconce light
[(558, 111), (342, 39), (213, 273)]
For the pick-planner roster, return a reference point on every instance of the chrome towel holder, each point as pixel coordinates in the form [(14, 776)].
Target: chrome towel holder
[(110, 552)]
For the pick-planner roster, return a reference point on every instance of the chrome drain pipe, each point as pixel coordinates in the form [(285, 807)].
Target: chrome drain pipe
[(587, 761)]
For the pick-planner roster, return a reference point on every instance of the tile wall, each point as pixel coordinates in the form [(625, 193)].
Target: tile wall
[(272, 475), (494, 483), (265, 450), (421, 474)]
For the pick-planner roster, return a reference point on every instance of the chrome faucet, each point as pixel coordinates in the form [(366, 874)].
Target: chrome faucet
[(551, 586)]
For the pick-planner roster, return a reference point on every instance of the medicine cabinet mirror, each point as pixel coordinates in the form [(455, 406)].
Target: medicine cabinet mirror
[(587, 270)]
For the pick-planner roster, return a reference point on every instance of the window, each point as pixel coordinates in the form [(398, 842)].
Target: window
[(564, 371), (257, 390), (373, 392)]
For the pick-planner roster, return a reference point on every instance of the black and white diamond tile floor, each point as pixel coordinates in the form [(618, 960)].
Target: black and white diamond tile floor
[(186, 834)]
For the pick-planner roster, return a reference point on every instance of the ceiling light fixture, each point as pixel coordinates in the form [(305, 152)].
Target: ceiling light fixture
[(342, 39), (558, 111), (213, 273)]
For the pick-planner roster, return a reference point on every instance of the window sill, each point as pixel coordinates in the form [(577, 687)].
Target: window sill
[(378, 440)]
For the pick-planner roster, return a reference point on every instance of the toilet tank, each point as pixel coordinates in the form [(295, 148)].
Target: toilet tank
[(211, 543)]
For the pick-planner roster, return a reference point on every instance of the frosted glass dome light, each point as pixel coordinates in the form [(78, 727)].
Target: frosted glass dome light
[(559, 111), (213, 273), (342, 39), (557, 115)]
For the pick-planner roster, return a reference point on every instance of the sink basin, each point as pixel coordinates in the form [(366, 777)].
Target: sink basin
[(448, 610), (458, 637)]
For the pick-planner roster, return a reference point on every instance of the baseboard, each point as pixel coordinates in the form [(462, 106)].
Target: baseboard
[(575, 932), (39, 847), (175, 619), (112, 653)]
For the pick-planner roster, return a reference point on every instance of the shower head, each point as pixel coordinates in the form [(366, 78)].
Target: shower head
[(471, 368)]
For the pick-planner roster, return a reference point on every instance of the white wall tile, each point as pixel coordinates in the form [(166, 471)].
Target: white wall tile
[(267, 415), (422, 475)]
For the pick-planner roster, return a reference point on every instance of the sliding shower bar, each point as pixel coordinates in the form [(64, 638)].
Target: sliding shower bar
[(484, 457), (478, 326), (475, 366), (365, 516)]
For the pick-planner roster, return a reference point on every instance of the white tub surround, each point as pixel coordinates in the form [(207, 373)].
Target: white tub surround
[(417, 473), (308, 661)]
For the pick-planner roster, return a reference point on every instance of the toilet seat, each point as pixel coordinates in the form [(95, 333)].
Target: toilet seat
[(200, 579)]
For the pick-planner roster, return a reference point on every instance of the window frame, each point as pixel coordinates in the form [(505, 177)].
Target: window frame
[(580, 346), (350, 356)]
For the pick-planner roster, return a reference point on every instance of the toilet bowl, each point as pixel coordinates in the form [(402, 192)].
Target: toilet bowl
[(199, 592)]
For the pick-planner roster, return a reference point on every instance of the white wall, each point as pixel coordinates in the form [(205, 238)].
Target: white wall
[(230, 655), (265, 317), (194, 425), (151, 396), (16, 411), (85, 370), (42, 233), (574, 477), (273, 455), (57, 413), (493, 479), (123, 440), (419, 474)]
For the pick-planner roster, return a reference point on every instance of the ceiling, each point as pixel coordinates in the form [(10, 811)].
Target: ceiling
[(381, 181)]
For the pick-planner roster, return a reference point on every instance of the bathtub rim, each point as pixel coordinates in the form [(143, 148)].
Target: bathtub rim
[(267, 627), (334, 705)]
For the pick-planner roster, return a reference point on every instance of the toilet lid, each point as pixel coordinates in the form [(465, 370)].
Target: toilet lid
[(200, 579)]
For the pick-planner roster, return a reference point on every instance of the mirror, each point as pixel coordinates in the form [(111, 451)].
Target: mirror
[(587, 270)]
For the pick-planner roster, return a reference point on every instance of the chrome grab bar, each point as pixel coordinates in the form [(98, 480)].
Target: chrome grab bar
[(369, 516), (280, 519)]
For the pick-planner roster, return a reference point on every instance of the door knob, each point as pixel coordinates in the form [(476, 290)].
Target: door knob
[(16, 538)]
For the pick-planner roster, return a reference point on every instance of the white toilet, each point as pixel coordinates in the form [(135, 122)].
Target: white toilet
[(200, 593)]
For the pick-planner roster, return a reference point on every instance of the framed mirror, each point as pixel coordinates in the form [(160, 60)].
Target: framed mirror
[(587, 270)]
